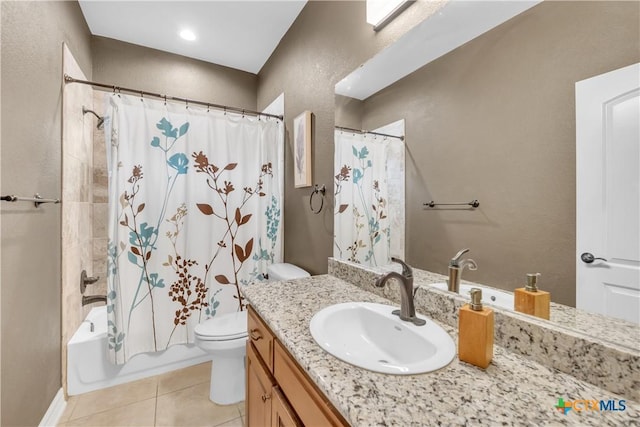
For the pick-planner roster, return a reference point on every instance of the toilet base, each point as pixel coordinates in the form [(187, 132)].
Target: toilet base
[(228, 380)]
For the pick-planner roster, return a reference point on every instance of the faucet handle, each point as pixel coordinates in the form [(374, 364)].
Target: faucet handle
[(468, 263), (407, 271), (455, 261)]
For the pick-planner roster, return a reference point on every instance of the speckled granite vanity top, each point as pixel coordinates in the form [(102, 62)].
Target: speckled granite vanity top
[(512, 391)]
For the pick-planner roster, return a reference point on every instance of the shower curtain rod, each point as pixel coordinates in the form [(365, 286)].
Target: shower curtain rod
[(118, 89), (401, 138)]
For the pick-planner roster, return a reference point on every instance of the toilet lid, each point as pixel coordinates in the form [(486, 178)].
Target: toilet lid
[(225, 327)]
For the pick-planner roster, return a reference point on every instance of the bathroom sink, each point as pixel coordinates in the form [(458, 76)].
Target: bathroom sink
[(490, 296), (369, 336)]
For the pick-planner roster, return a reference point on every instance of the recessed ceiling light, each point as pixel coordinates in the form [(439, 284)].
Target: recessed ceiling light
[(187, 35)]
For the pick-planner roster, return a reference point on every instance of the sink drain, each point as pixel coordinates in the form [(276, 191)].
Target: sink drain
[(383, 361)]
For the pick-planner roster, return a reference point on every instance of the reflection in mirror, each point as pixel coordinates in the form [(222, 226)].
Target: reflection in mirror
[(369, 194), (494, 119)]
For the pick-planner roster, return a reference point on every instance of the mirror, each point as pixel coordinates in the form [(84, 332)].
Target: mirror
[(493, 119), (369, 179)]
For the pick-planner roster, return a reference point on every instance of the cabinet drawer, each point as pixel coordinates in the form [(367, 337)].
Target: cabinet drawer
[(261, 337), (305, 399)]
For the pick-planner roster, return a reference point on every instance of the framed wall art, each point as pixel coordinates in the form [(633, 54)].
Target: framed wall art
[(302, 150)]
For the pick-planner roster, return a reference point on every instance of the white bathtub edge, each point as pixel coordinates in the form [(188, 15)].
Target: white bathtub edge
[(55, 411)]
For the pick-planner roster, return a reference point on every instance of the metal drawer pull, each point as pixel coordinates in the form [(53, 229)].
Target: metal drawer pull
[(255, 335), (265, 397)]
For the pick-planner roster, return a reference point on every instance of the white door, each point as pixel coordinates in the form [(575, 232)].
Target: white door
[(608, 194)]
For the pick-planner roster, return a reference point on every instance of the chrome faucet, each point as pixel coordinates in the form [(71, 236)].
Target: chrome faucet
[(407, 310), (455, 270)]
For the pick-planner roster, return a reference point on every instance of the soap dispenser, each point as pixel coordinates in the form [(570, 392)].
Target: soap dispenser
[(531, 300), (475, 332)]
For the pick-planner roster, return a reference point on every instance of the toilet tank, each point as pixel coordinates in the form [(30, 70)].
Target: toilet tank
[(285, 271)]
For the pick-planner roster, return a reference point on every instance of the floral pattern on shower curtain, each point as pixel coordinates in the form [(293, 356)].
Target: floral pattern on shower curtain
[(364, 187), (195, 203)]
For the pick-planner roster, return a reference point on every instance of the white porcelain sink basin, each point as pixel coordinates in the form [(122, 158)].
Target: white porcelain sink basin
[(369, 336), (489, 296)]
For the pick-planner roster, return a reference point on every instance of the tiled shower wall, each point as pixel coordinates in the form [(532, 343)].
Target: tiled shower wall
[(100, 193), (77, 194)]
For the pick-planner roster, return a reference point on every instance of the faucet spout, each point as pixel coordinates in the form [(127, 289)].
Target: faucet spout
[(407, 310), (456, 266)]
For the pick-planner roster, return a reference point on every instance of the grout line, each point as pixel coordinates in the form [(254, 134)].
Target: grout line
[(180, 389), (155, 409)]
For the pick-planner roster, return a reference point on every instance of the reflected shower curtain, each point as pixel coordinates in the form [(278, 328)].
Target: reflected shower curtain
[(362, 219), (195, 203)]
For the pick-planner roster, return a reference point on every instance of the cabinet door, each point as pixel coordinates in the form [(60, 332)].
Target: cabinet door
[(259, 388), (281, 413), (305, 399)]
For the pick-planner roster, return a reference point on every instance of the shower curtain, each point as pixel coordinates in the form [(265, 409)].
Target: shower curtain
[(195, 203), (365, 195)]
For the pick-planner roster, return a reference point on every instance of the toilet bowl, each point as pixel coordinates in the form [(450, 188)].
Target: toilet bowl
[(224, 337)]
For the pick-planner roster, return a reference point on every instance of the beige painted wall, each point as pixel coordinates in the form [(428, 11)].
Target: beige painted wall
[(327, 41), (32, 35), (137, 67), (494, 120)]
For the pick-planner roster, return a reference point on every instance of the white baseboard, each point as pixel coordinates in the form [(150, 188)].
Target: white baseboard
[(55, 411)]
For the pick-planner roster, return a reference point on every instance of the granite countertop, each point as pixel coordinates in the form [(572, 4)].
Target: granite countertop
[(513, 390)]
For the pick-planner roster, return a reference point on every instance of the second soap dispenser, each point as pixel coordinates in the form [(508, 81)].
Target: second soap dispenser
[(531, 300), (475, 332)]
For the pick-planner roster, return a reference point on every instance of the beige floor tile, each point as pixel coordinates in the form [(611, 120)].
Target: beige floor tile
[(183, 378), (233, 423), (192, 407), (114, 397), (136, 414), (68, 410), (241, 408)]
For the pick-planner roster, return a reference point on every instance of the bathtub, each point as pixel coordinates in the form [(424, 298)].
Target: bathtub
[(89, 369)]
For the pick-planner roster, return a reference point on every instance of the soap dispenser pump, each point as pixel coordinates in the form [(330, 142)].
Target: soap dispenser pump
[(475, 332), (531, 300)]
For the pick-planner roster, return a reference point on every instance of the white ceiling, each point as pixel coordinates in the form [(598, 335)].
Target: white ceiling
[(240, 34)]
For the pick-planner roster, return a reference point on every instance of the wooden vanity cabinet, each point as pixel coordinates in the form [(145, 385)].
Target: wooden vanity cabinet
[(279, 392)]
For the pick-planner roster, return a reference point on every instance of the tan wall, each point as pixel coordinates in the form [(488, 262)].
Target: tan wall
[(495, 121), (137, 67), (32, 37), (327, 41)]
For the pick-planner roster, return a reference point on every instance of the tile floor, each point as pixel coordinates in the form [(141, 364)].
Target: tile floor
[(178, 398)]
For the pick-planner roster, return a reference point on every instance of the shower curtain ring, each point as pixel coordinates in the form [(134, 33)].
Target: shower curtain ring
[(317, 189), (165, 99)]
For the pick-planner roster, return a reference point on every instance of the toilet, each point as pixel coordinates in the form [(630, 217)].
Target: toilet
[(224, 337)]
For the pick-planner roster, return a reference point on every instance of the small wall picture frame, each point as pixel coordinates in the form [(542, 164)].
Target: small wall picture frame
[(302, 150)]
